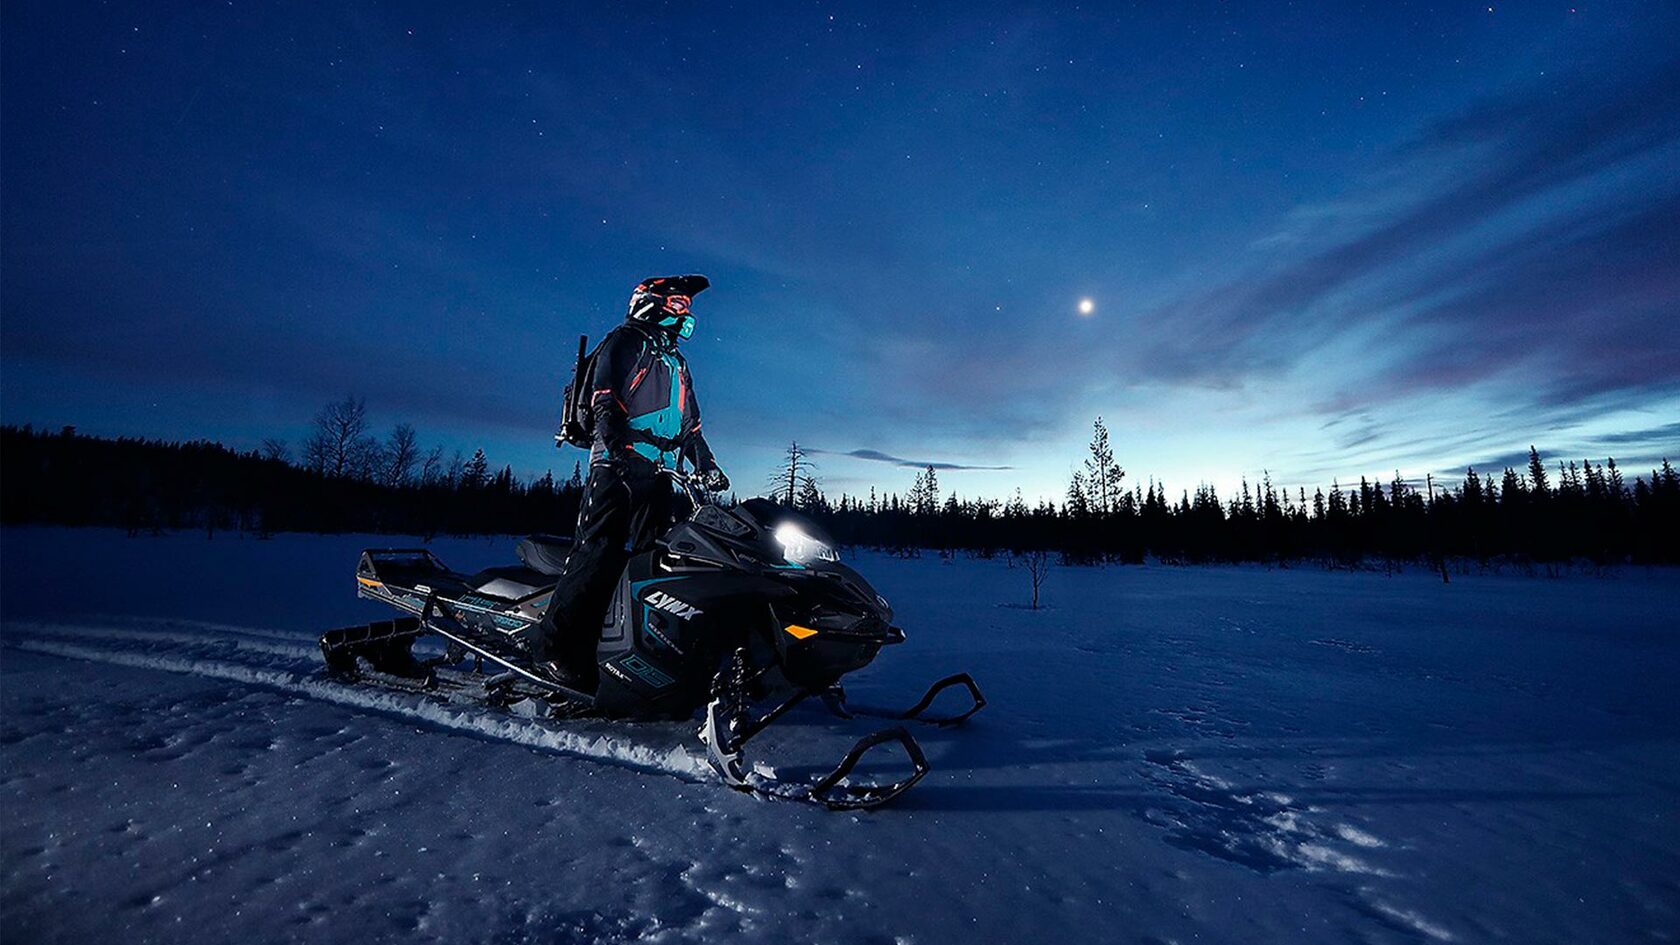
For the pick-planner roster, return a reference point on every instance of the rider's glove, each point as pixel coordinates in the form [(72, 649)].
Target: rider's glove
[(715, 480)]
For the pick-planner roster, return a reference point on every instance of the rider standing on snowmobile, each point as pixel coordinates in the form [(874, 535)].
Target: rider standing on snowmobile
[(640, 399)]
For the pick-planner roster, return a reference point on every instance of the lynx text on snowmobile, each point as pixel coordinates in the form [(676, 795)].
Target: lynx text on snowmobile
[(732, 609)]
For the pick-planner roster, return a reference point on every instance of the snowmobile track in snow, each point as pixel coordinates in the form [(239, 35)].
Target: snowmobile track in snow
[(255, 658)]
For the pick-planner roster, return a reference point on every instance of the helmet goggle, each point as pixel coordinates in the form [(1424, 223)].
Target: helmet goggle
[(676, 315)]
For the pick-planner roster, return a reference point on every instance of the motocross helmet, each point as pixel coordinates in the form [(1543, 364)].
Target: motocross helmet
[(664, 302)]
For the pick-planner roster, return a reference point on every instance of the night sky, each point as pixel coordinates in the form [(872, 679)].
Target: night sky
[(1322, 240)]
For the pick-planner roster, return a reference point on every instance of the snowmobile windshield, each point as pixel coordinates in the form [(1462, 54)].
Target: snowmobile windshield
[(799, 540)]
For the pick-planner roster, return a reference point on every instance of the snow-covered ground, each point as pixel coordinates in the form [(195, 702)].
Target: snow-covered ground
[(1227, 755)]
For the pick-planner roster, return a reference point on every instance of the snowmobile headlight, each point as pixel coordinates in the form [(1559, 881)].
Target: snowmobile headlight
[(799, 547)]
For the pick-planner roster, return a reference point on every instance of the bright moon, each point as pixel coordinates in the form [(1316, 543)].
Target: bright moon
[(1086, 306)]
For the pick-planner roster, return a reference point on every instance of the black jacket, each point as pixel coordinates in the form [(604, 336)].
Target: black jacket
[(641, 396)]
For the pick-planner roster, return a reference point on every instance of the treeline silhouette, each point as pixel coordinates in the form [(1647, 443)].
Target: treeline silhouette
[(347, 480), (66, 478), (1586, 512)]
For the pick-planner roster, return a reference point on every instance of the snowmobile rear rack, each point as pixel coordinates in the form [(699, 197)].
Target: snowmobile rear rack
[(386, 644)]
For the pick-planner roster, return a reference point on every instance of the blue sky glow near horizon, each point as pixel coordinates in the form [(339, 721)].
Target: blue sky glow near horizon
[(1321, 240)]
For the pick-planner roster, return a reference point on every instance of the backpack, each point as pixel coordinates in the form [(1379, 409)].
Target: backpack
[(577, 421)]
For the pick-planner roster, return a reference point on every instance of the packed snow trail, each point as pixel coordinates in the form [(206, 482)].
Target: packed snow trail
[(1170, 754), (588, 739)]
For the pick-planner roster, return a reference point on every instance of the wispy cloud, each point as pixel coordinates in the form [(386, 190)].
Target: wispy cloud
[(876, 456), (1668, 433), (1523, 148)]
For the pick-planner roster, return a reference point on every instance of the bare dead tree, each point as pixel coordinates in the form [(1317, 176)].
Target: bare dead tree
[(340, 446), (401, 453), (431, 468), (1038, 568), (797, 475), (276, 449)]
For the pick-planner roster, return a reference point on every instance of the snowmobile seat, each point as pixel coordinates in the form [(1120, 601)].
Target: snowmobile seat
[(511, 582), (545, 554)]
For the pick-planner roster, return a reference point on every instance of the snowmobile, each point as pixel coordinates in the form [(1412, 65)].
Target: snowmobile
[(732, 609)]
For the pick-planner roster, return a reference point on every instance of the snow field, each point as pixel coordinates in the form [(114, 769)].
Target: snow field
[(1170, 755)]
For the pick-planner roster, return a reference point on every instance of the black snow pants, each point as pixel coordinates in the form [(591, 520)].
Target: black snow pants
[(626, 505)]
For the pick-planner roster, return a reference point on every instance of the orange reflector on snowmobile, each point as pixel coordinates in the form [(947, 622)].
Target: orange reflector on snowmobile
[(368, 582), (798, 632)]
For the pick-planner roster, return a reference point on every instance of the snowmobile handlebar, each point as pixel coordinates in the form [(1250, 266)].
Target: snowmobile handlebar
[(693, 484)]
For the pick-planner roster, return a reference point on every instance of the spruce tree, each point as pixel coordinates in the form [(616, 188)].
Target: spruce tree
[(1017, 507), (1078, 500), (1102, 475), (810, 498), (1537, 475), (1511, 488), (476, 473)]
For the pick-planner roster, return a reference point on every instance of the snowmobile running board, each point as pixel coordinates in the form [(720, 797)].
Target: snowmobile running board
[(442, 624)]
